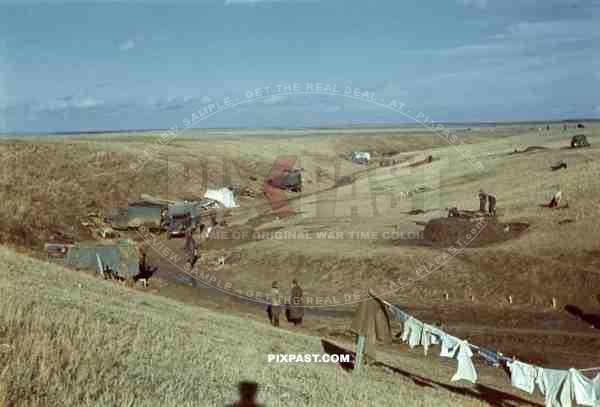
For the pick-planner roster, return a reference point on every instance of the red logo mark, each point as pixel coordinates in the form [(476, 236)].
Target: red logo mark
[(274, 183)]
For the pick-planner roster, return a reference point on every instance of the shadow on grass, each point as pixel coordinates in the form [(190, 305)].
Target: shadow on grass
[(480, 392), (592, 319), (333, 349), (248, 392)]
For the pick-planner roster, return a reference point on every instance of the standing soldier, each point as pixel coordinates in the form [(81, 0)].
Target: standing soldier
[(163, 219), (492, 204), (296, 309), (275, 304), (483, 198), (191, 249)]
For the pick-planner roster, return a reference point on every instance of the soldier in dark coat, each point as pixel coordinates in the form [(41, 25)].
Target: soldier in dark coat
[(191, 249), (483, 198), (296, 307), (492, 204)]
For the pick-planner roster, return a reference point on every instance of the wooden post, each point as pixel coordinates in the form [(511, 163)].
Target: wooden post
[(360, 348), (472, 298), (510, 299), (446, 296), (554, 302)]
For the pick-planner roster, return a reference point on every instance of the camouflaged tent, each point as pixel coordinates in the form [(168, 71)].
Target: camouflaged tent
[(120, 256)]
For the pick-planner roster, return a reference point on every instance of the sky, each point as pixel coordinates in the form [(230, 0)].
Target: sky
[(146, 64)]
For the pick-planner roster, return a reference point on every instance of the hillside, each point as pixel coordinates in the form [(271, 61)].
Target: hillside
[(70, 339)]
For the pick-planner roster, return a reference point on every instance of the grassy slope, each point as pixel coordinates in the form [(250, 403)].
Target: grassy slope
[(70, 339)]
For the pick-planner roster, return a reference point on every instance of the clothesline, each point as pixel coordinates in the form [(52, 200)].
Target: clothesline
[(405, 316)]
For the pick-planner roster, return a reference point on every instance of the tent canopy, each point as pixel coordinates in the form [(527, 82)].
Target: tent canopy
[(224, 195)]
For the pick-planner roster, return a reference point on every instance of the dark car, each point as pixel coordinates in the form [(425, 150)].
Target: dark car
[(580, 140), (178, 224), (180, 217)]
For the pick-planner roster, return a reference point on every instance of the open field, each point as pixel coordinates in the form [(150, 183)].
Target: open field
[(48, 186)]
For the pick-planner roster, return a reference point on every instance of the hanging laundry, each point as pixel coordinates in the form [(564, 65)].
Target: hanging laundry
[(449, 344), (398, 314), (583, 388), (431, 336), (539, 379), (425, 341), (522, 376), (436, 334), (556, 386), (413, 330), (465, 370), (596, 384), (491, 358)]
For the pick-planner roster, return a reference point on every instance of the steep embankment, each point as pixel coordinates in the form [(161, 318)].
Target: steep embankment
[(70, 339)]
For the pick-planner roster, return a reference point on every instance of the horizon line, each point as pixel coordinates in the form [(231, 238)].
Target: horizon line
[(356, 126)]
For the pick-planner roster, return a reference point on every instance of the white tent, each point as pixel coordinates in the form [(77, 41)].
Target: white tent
[(224, 195)]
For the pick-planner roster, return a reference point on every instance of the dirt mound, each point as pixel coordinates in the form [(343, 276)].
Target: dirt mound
[(478, 231), (529, 149)]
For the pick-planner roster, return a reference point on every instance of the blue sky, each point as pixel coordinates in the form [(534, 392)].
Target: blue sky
[(88, 65)]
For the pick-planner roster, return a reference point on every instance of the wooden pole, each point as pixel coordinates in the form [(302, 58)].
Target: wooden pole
[(360, 348)]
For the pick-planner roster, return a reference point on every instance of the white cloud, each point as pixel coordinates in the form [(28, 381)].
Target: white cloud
[(475, 3)]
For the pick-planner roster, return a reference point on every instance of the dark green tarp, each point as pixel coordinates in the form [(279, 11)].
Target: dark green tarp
[(121, 257)]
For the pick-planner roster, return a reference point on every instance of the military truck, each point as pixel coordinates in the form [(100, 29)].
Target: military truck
[(580, 140), (292, 181), (181, 216)]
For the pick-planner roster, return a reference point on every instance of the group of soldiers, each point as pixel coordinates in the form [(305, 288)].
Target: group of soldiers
[(294, 310)]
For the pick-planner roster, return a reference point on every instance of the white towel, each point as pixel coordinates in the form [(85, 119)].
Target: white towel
[(449, 344), (557, 387), (415, 334), (465, 370), (583, 389), (522, 376)]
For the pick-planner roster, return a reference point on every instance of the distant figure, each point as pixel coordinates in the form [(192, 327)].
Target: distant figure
[(555, 200), (491, 204), (248, 392), (453, 212), (145, 271), (141, 261), (274, 308), (163, 218), (190, 248), (483, 198), (296, 309)]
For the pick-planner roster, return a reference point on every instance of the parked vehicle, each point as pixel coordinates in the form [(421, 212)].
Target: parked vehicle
[(580, 140), (180, 217)]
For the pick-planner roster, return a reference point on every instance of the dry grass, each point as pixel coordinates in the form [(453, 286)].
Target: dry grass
[(48, 185), (68, 339)]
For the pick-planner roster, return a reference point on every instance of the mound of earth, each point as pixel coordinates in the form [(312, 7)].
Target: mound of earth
[(529, 149), (476, 232)]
